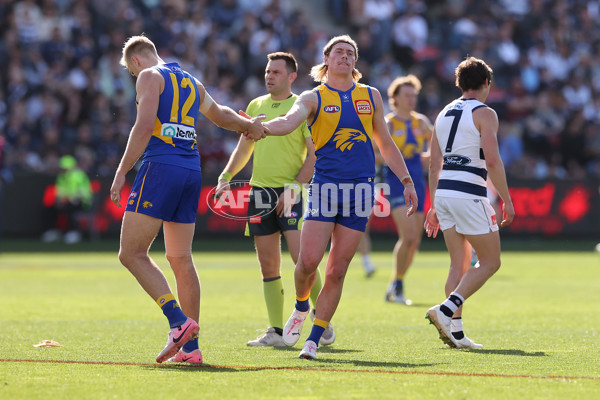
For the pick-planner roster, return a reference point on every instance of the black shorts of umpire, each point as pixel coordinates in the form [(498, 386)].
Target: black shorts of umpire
[(262, 217)]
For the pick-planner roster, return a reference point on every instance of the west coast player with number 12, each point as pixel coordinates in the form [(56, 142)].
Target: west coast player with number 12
[(166, 189)]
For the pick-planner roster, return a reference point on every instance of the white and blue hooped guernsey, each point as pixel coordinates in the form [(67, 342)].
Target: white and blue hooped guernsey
[(464, 172)]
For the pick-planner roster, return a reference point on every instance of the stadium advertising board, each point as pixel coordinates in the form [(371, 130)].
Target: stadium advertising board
[(543, 208)]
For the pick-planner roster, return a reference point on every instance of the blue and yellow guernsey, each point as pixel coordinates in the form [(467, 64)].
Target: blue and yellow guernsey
[(410, 137), (173, 139), (342, 132)]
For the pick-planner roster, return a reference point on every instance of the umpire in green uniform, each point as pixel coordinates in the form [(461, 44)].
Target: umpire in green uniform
[(281, 166)]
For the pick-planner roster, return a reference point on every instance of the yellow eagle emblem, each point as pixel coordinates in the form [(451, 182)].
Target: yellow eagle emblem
[(146, 204), (345, 138)]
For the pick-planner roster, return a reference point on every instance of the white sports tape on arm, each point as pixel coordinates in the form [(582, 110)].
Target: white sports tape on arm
[(206, 103)]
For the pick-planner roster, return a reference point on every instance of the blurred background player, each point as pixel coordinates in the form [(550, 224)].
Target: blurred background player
[(466, 130), (411, 132), (281, 165), (364, 248), (166, 190), (344, 117), (73, 195)]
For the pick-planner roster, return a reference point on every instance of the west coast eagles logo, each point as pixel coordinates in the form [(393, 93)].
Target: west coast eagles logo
[(345, 138)]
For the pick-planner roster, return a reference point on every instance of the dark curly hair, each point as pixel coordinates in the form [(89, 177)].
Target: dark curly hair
[(472, 74)]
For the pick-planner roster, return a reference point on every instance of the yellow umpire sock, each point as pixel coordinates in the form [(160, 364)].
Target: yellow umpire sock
[(273, 292)]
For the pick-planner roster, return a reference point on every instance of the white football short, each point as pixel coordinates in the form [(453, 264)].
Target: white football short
[(470, 216)]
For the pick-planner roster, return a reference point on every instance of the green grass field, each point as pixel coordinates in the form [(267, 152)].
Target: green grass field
[(538, 319)]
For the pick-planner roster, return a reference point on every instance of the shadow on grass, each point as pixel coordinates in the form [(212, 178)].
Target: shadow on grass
[(325, 364), (323, 349), (204, 368), (509, 352), (375, 364)]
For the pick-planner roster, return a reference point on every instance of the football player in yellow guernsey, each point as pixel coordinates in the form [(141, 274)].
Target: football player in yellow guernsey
[(280, 166), (411, 132), (344, 117)]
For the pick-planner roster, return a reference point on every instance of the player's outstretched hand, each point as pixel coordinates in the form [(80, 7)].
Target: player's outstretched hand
[(432, 224), (256, 131), (245, 133)]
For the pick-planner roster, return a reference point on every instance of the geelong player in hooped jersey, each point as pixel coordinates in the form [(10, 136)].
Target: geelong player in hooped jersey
[(166, 189), (344, 117), (464, 152)]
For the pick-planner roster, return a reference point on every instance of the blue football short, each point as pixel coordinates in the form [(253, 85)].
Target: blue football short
[(166, 192), (396, 196), (346, 203)]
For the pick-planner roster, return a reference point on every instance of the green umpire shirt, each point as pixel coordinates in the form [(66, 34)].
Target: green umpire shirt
[(277, 159)]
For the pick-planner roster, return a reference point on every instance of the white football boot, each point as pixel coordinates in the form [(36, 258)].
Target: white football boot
[(309, 351), (442, 324), (269, 338), (293, 327)]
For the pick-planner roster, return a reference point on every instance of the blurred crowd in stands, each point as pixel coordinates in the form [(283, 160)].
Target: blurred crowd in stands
[(62, 90)]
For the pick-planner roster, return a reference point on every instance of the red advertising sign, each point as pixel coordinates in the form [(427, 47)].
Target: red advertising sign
[(547, 208)]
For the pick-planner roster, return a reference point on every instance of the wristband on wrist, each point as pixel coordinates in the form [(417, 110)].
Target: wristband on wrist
[(225, 176), (407, 180)]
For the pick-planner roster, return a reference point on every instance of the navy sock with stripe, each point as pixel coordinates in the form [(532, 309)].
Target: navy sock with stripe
[(171, 310)]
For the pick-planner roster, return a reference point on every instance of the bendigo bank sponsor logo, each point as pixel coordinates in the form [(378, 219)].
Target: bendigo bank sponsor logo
[(178, 131), (331, 109), (363, 106)]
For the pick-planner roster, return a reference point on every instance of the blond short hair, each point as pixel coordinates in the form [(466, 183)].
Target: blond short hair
[(398, 83), (319, 72), (136, 45)]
